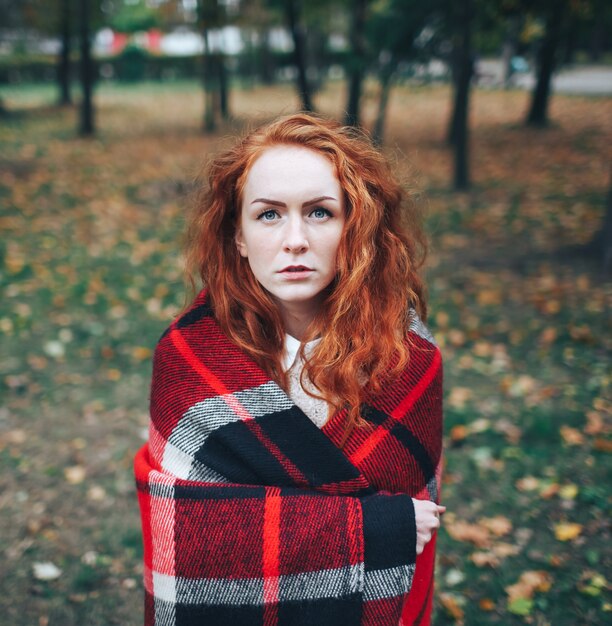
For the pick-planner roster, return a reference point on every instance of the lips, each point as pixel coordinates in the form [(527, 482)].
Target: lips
[(296, 268)]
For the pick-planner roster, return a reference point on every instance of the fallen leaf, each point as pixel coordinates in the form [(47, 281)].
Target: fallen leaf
[(550, 490), (479, 425), (512, 432), (472, 533), (548, 335), (603, 445), (17, 436), (459, 396), (484, 559), (489, 297), (140, 353), (566, 531), (594, 584), (454, 577), (456, 337), (113, 374), (458, 433), (75, 474), (46, 571), (520, 606), (486, 604), (528, 583), (494, 556), (571, 436), (503, 550), (96, 493), (521, 386), (568, 492), (595, 423), (527, 483), (498, 525), (451, 604), (54, 349)]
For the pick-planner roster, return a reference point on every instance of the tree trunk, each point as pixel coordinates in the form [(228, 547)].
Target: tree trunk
[(223, 87), (86, 127), (598, 34), (606, 231), (63, 68), (601, 243), (451, 130), (292, 9), (266, 62), (462, 94), (357, 62), (597, 39), (538, 111), (210, 87), (386, 82)]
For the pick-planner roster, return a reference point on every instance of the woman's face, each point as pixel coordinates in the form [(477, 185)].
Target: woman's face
[(291, 222)]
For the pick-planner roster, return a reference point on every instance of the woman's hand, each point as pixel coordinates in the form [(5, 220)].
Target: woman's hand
[(427, 517)]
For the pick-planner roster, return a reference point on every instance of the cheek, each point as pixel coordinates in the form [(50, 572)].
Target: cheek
[(261, 249), (333, 245)]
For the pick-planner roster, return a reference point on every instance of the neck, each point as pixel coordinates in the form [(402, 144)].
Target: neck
[(297, 320)]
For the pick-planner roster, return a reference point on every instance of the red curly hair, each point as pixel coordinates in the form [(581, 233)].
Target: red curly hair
[(363, 320)]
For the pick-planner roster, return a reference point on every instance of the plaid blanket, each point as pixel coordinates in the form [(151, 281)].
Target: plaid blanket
[(253, 515)]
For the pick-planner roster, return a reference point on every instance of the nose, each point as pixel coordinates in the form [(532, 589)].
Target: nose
[(296, 239)]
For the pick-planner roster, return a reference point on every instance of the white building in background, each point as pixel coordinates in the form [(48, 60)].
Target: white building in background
[(184, 41)]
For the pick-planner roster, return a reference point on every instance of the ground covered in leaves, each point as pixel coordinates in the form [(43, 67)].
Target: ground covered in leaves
[(90, 274)]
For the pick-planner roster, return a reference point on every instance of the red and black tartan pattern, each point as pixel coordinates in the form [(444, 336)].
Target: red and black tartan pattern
[(252, 515)]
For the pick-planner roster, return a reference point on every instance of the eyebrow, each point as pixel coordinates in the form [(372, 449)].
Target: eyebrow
[(282, 204)]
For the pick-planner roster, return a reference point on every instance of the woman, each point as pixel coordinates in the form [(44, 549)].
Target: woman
[(292, 470)]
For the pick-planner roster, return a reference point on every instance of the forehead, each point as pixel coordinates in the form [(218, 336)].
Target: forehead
[(290, 170)]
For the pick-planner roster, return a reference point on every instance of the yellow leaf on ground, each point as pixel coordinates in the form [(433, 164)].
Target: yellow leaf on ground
[(566, 531), (569, 491)]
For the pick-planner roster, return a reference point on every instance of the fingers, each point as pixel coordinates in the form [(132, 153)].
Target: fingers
[(428, 521)]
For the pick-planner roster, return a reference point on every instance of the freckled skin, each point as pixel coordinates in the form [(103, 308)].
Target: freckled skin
[(292, 216)]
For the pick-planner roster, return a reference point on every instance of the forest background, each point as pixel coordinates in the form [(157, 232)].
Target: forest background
[(496, 114)]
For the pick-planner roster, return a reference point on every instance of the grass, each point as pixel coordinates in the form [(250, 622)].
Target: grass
[(90, 274)]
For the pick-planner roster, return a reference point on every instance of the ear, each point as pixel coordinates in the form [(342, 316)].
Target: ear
[(240, 243)]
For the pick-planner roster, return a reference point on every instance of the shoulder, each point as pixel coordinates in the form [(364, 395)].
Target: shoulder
[(417, 327), (197, 311)]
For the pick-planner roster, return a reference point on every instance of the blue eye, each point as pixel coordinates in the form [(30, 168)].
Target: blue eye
[(320, 213), (267, 216)]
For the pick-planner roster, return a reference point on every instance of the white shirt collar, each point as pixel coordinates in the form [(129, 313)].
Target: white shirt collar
[(292, 346)]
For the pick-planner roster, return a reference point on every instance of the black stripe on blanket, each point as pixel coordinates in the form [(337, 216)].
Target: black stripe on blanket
[(405, 437)]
